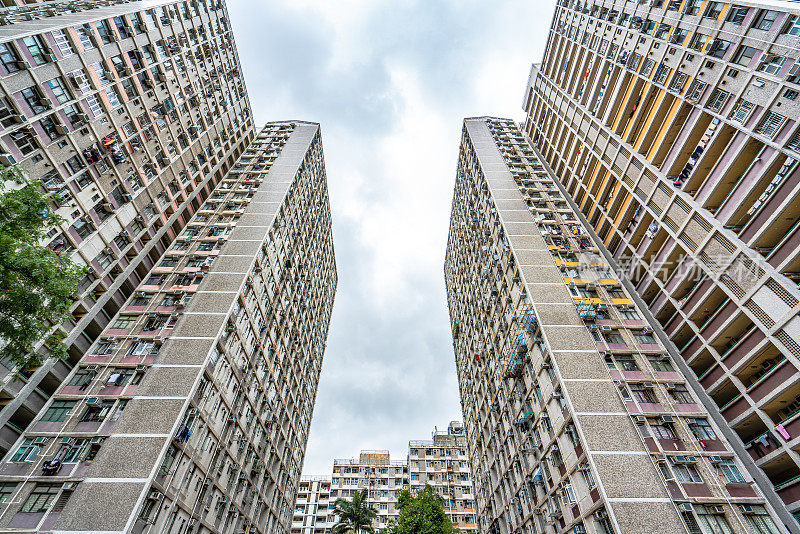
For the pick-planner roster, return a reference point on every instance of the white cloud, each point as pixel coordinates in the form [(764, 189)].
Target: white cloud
[(390, 82)]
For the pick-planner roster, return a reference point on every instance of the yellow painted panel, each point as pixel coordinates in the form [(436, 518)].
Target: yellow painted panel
[(623, 105), (664, 127), (653, 111), (622, 209), (621, 301)]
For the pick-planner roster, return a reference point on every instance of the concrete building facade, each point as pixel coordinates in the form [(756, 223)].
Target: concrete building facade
[(443, 463), (376, 472), (313, 506), (130, 113), (191, 411), (577, 417), (673, 126)]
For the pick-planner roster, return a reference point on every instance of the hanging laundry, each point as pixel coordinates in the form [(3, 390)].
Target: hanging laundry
[(783, 432)]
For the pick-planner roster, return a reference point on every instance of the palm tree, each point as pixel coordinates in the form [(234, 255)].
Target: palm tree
[(355, 517)]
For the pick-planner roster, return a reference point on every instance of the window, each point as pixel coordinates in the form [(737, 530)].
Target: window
[(58, 411), (711, 520), (113, 98), (772, 64), (119, 376), (37, 49), (645, 339), (701, 429), (692, 7), (141, 348), (686, 473), (82, 378), (744, 55), (6, 490), (698, 41), (34, 99), (73, 450), (771, 124), (616, 293), (765, 19), (104, 31), (741, 111), (124, 321), (661, 363), (643, 394), (105, 346), (627, 362), (718, 48), (28, 451), (758, 519), (792, 26), (731, 472), (9, 58), (696, 90), (51, 129), (97, 412), (680, 395), (714, 9), (41, 498), (104, 259), (94, 105), (122, 27), (63, 44), (613, 337), (737, 14), (717, 100)]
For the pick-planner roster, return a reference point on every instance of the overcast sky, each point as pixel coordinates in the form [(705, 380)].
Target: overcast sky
[(390, 82)]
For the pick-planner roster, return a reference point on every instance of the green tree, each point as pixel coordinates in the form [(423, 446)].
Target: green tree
[(423, 514), (37, 284), (355, 517)]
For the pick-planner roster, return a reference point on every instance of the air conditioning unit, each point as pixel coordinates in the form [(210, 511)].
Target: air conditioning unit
[(69, 486), (640, 419), (647, 384), (667, 419), (606, 328), (717, 509), (715, 459), (91, 368), (92, 401), (686, 507), (8, 159), (97, 440), (154, 495), (746, 508), (61, 129), (40, 440), (557, 395)]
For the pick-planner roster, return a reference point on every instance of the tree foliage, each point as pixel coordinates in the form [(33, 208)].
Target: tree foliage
[(37, 284), (355, 517), (423, 514)]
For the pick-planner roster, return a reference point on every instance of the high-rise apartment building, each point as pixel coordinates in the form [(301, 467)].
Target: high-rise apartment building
[(577, 418), (376, 472), (191, 411), (673, 126), (443, 463), (313, 507), (131, 112)]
